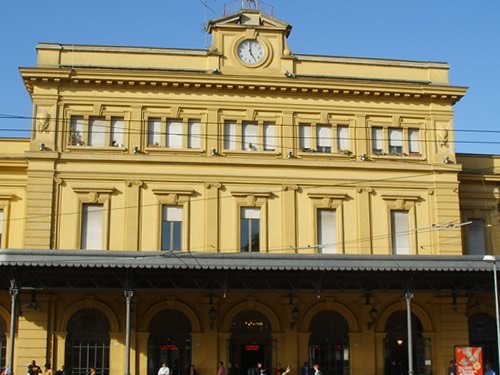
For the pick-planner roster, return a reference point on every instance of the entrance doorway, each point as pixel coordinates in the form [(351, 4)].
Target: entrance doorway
[(329, 343), (482, 332), (250, 342), (169, 342), (396, 346)]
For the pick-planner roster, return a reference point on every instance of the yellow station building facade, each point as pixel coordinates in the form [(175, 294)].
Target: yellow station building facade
[(242, 203)]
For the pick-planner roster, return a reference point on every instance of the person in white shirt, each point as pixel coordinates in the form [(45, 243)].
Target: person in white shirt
[(164, 370)]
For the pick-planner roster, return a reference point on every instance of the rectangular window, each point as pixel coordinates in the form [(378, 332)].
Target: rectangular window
[(324, 138), (250, 229), (305, 137), (327, 231), (194, 134), (249, 136), (476, 239), (92, 226), (154, 131), (269, 136), (400, 232), (171, 228), (342, 137), (230, 139), (117, 131), (174, 134), (395, 141), (97, 131), (377, 140), (2, 225), (413, 142), (76, 130)]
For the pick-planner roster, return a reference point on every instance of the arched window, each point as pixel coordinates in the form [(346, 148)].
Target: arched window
[(87, 343), (329, 343), (170, 342)]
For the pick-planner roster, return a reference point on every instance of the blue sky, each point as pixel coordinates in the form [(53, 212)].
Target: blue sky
[(463, 33)]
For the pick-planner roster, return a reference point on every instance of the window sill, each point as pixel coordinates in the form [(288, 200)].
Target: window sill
[(167, 150), (400, 157), (110, 149), (335, 155), (247, 153)]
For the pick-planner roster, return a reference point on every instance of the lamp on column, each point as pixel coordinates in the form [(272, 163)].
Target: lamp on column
[(295, 317), (373, 317)]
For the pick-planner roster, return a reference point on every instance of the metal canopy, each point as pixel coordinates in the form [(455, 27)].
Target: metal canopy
[(224, 272)]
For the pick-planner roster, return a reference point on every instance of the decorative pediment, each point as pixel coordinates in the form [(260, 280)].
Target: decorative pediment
[(251, 19)]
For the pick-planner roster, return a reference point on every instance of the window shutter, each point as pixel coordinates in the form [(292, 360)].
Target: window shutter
[(172, 213), (250, 213), (249, 136), (377, 139), (396, 137)]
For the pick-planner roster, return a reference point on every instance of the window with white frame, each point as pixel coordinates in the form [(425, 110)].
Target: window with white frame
[(250, 135), (400, 232), (171, 228), (323, 138), (92, 226), (377, 140), (327, 230), (476, 237), (342, 137), (414, 141), (400, 141), (174, 133), (249, 229), (97, 131)]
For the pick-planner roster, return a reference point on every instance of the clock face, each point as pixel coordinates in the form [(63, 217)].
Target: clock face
[(250, 51)]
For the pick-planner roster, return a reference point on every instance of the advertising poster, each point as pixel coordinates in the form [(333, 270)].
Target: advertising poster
[(469, 360)]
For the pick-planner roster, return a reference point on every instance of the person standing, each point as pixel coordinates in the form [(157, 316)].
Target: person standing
[(317, 371), (48, 369), (164, 370), (305, 370), (220, 369), (192, 370)]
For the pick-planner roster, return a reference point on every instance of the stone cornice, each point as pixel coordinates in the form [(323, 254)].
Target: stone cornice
[(331, 86)]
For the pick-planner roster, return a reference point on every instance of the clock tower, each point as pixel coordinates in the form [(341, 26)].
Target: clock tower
[(249, 42)]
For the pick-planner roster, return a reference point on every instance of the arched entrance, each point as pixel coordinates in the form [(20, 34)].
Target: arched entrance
[(482, 332), (250, 342), (87, 343), (396, 346), (3, 344), (170, 342), (329, 343)]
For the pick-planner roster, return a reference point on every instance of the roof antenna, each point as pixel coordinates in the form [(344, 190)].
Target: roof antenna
[(205, 4)]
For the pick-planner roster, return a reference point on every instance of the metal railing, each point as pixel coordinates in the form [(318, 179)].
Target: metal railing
[(238, 5)]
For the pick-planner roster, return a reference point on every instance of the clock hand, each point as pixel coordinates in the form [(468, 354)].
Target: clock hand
[(251, 53)]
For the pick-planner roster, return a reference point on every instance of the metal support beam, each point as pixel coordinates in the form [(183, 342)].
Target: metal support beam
[(14, 291), (409, 296), (128, 296)]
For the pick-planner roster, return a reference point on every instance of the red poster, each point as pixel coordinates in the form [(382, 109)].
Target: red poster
[(469, 360)]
